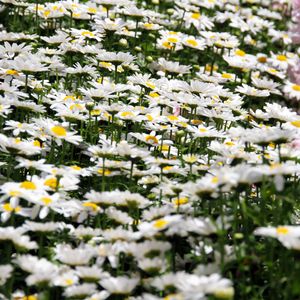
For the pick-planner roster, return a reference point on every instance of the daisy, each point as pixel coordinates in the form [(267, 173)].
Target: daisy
[(208, 89), (172, 67), (195, 43), (18, 146), (292, 90), (251, 91), (30, 63), (17, 237), (152, 228), (5, 273), (93, 273), (58, 131), (119, 57), (81, 290), (150, 139), (266, 84), (11, 50), (42, 227), (76, 256), (110, 25), (78, 69), (200, 21), (11, 208), (34, 265), (286, 234), (281, 61), (66, 279), (121, 285), (18, 127)]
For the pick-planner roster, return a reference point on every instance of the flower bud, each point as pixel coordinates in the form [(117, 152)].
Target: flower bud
[(90, 105), (225, 293), (123, 42), (149, 59)]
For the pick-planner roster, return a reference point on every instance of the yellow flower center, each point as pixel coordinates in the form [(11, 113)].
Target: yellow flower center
[(59, 130), (69, 281), (46, 200), (195, 16), (240, 52), (268, 156), (151, 139), (127, 114), (17, 209), (30, 297), (296, 123), (37, 143), (92, 10), (272, 145), (227, 75), (91, 205), (76, 106), (154, 95), (28, 185), (150, 85), (11, 72), (105, 64), (106, 172), (95, 112), (46, 13), (230, 144), (180, 201), (8, 208), (164, 148), (76, 168), (281, 58), (167, 168), (196, 122), (173, 297), (149, 117), (69, 97), (173, 118), (160, 223), (273, 71), (172, 40), (51, 182), (14, 193), (208, 68), (282, 230), (167, 45), (192, 42), (148, 25), (296, 87), (191, 159), (215, 179), (274, 165)]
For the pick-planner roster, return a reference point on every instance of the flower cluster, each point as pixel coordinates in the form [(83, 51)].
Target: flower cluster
[(149, 149)]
